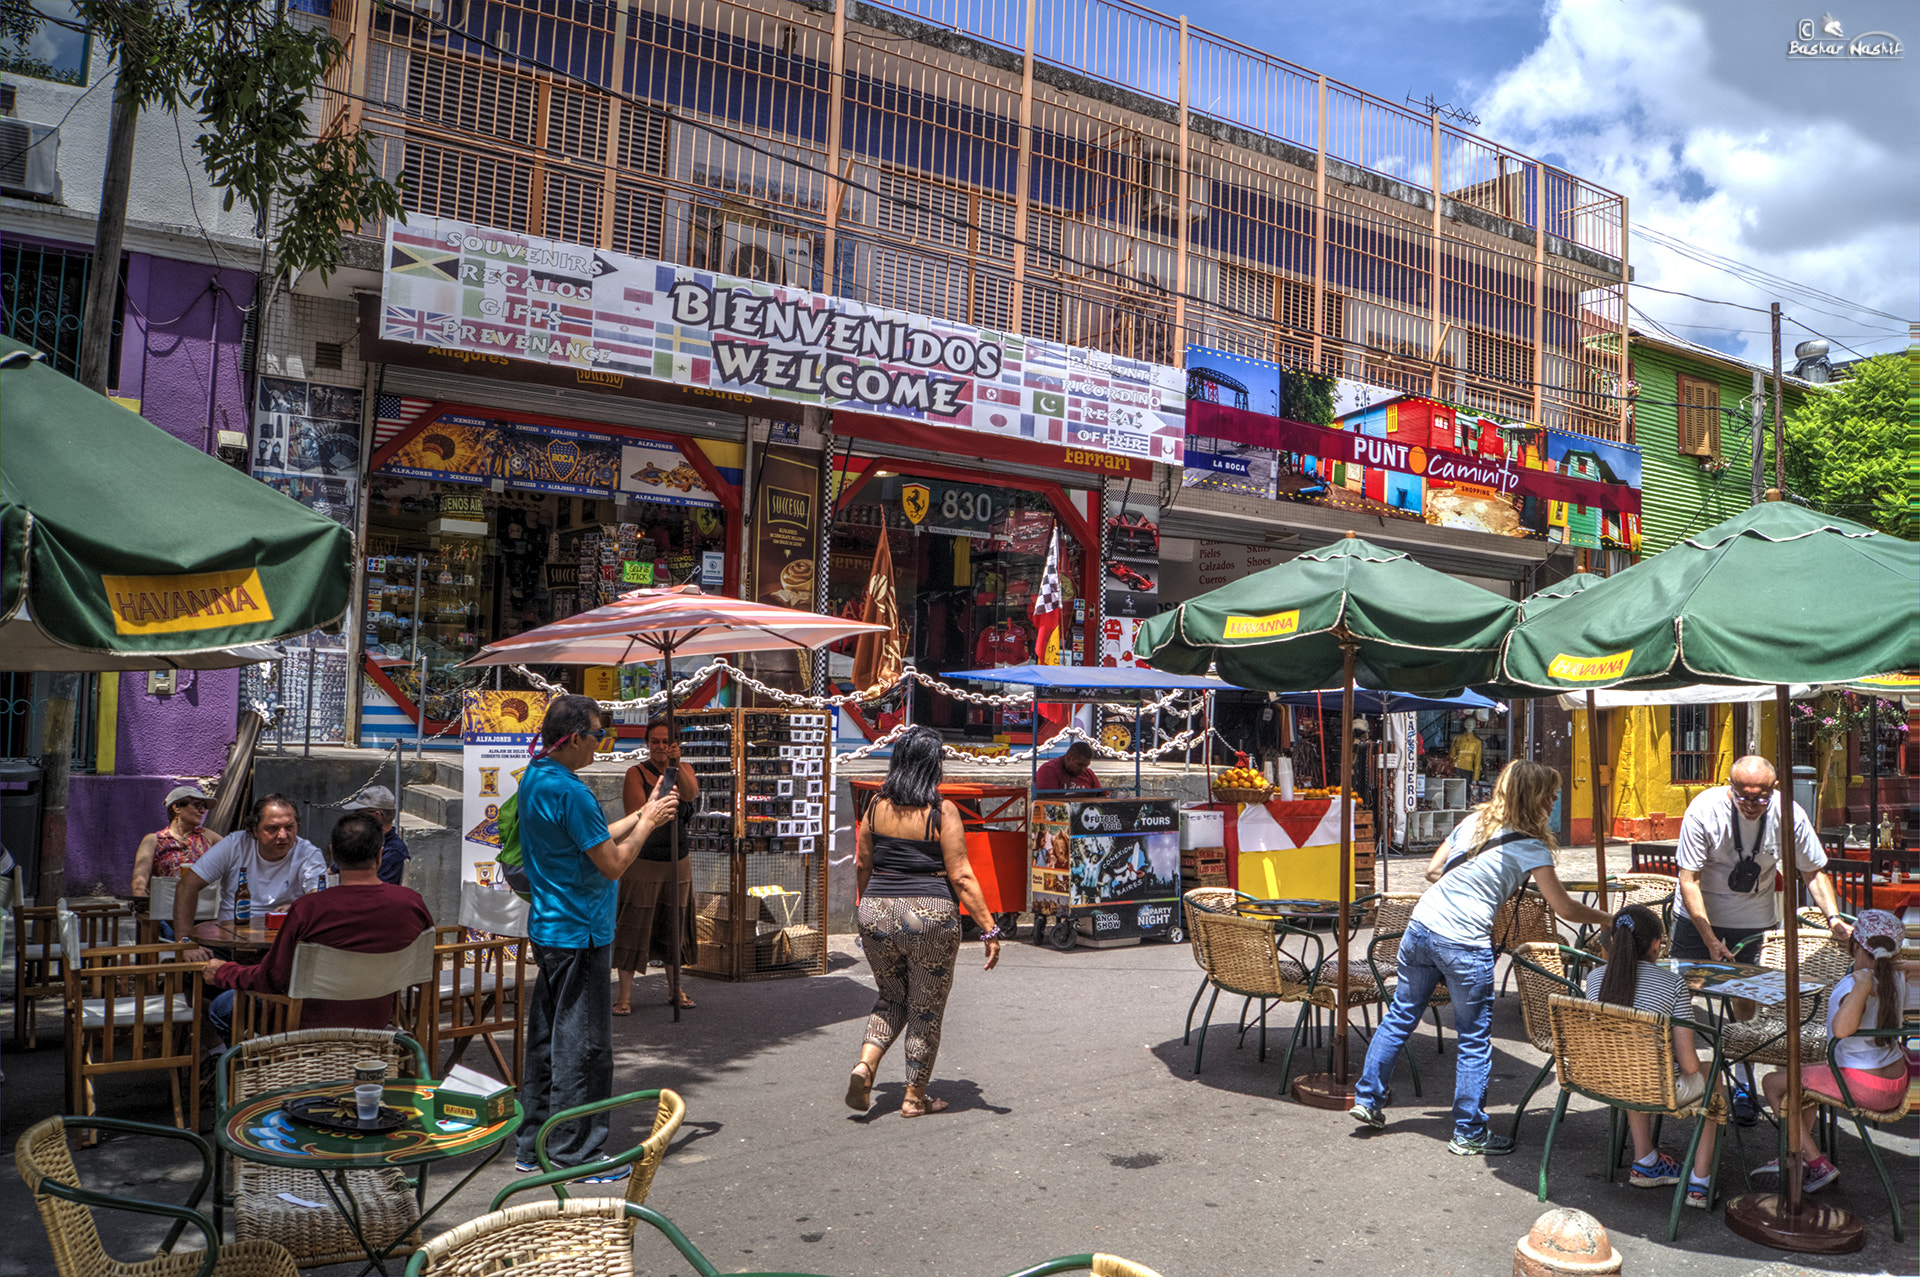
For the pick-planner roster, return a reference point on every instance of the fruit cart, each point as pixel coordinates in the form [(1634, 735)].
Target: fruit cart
[(1101, 871)]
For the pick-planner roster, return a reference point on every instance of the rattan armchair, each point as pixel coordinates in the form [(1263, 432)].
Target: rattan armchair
[(387, 1201), (1840, 1100), (1541, 970), (669, 1111), (1220, 900), (1392, 911), (1243, 957), (66, 1209), (1624, 1059), (1763, 1038), (1525, 918)]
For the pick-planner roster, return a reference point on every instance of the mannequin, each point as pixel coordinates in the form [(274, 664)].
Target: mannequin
[(1466, 750)]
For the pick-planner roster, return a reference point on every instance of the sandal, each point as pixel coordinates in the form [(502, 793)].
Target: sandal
[(686, 1003), (623, 1008), (860, 1088), (920, 1108)]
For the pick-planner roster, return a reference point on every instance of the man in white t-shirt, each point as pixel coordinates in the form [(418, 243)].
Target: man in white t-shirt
[(1729, 850), (280, 866)]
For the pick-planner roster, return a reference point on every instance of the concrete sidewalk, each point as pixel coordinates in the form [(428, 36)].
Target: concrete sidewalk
[(1077, 1124)]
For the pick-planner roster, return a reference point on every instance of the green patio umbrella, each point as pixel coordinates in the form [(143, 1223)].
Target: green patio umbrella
[(122, 548), (1778, 594), (1347, 610)]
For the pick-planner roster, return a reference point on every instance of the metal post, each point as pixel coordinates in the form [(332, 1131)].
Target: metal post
[(1779, 425), (280, 706), (1335, 1090), (1137, 750), (313, 662), (420, 717), (1318, 320), (836, 110), (1599, 804), (1434, 330), (1873, 788), (1180, 231), (1022, 179), (1757, 414)]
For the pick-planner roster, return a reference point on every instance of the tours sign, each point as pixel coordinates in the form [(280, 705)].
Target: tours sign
[(456, 286)]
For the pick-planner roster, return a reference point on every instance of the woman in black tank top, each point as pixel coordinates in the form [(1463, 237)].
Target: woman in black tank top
[(642, 918), (910, 857)]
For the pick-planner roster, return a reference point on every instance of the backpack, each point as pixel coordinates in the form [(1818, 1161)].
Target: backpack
[(512, 866)]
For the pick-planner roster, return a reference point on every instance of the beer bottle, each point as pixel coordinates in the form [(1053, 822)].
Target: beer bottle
[(242, 903)]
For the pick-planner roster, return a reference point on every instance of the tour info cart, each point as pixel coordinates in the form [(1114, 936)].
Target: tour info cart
[(1104, 872)]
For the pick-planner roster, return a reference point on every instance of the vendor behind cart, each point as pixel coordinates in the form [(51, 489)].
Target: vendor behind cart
[(1071, 772)]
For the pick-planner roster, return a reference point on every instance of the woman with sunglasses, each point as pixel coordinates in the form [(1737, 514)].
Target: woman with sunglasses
[(165, 852)]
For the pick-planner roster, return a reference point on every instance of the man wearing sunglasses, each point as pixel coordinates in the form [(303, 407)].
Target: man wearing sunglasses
[(1729, 849)]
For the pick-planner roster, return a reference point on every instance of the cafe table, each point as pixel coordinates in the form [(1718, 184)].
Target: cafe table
[(250, 940), (259, 1130)]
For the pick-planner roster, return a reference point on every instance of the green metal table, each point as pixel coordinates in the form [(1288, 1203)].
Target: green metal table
[(259, 1131)]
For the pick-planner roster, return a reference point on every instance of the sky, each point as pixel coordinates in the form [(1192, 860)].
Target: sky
[(1808, 170)]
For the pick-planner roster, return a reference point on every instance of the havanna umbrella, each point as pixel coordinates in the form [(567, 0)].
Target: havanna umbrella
[(657, 625), (122, 548), (1777, 594), (1347, 609)]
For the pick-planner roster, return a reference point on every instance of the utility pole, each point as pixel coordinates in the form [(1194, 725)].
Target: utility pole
[(1779, 426), (1757, 412)]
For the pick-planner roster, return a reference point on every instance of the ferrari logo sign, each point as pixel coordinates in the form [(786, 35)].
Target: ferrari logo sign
[(916, 499)]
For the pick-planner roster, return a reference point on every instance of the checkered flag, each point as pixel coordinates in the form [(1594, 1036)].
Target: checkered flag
[(1047, 608)]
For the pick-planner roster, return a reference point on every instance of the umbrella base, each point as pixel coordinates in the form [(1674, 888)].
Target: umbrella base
[(1816, 1229), (1324, 1091)]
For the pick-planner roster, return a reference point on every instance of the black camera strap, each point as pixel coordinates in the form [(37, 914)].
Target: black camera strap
[(1759, 836)]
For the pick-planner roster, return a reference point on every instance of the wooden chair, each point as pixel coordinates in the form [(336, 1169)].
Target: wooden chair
[(1840, 1100), (1656, 858), (1625, 1059), (1852, 883), (161, 894), (593, 1237), (37, 966), (320, 971), (1220, 900), (1541, 970), (66, 1210), (388, 1203), (1763, 1038), (1243, 957), (480, 983), (128, 1010), (668, 1112)]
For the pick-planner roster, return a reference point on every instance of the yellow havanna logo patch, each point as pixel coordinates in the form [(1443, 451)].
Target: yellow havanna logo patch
[(1589, 669), (1272, 625), (194, 601)]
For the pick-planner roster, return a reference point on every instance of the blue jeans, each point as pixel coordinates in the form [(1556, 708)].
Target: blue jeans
[(220, 1015), (1426, 960)]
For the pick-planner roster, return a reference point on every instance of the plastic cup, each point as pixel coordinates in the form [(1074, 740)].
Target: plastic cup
[(366, 1098)]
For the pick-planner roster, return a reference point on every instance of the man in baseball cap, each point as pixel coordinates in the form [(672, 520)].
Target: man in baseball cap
[(377, 801)]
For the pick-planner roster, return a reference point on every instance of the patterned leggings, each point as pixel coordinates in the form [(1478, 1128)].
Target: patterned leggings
[(911, 943)]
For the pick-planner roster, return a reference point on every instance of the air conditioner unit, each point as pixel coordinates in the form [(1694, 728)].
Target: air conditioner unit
[(28, 155), (1162, 189)]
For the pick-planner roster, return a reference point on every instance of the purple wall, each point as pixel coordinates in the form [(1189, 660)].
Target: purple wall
[(181, 358)]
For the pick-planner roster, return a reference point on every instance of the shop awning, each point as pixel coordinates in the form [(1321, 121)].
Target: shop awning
[(1092, 682)]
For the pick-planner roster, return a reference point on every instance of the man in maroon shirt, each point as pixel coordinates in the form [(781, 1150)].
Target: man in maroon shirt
[(1073, 770), (362, 914)]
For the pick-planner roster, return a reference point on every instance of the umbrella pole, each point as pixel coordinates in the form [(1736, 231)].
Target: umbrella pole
[(673, 910), (1594, 754), (1785, 1220), (1873, 790), (1335, 1090)]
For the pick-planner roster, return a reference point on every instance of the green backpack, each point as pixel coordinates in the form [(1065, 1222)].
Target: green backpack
[(512, 867)]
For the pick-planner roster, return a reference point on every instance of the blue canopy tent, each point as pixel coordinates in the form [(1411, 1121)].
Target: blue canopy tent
[(1368, 701), (1073, 684)]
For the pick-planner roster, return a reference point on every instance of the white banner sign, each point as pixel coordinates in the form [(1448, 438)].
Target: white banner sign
[(458, 286), (496, 737)]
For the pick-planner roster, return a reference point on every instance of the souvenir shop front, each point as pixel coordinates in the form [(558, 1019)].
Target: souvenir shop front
[(484, 521), (966, 541)]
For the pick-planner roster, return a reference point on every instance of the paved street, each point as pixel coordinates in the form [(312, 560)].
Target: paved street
[(1077, 1124)]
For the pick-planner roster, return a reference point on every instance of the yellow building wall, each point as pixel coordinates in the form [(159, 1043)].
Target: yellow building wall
[(1640, 766)]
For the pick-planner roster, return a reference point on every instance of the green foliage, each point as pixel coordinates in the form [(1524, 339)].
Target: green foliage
[(1306, 398), (253, 80), (1851, 449)]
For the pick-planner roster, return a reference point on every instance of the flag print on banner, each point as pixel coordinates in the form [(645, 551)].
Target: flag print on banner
[(459, 286)]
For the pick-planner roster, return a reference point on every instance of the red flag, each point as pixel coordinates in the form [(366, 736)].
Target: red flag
[(878, 658)]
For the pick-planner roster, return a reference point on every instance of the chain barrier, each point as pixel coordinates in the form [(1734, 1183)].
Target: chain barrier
[(386, 764)]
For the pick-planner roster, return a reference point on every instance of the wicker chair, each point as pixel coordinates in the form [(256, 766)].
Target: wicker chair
[(1763, 1039), (1525, 918), (669, 1111), (1243, 957), (1655, 891), (1625, 1059), (594, 1238), (1220, 900), (1392, 912), (66, 1209), (1541, 970), (389, 1204), (1840, 1100)]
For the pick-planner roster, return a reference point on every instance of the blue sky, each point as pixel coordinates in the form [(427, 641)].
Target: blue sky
[(1808, 171)]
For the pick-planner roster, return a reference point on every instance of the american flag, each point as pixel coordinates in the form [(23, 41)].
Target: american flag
[(393, 414)]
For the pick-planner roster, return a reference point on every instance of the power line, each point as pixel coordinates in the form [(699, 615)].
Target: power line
[(1755, 275)]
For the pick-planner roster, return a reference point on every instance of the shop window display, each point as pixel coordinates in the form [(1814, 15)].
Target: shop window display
[(967, 562), (490, 565)]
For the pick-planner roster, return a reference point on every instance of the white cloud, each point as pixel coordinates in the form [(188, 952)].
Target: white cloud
[(1679, 111)]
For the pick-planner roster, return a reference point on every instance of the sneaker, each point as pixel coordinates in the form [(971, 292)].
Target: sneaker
[(1660, 1171), (1745, 1111), (609, 1177), (1697, 1193), (1485, 1144), (523, 1167), (1765, 1175), (1819, 1173), (1367, 1114)]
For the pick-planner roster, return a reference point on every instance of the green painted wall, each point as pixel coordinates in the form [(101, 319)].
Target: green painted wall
[(1679, 494)]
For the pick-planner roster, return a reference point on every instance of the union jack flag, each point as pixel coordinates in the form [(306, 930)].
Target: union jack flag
[(404, 323)]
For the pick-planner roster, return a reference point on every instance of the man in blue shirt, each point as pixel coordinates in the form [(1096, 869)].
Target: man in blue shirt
[(573, 860), (377, 801)]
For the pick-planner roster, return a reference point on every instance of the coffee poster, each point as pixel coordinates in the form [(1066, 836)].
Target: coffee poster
[(786, 551)]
